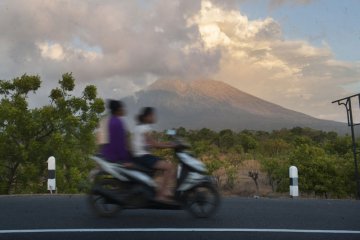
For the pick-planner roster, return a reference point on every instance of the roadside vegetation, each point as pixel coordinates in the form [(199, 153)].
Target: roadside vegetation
[(245, 162), (324, 160)]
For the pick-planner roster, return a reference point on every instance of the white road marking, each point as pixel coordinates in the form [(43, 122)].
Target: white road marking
[(254, 230)]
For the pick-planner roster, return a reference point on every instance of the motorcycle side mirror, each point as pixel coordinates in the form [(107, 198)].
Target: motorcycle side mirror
[(171, 132)]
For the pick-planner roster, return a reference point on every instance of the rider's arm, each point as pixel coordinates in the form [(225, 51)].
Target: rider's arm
[(153, 143)]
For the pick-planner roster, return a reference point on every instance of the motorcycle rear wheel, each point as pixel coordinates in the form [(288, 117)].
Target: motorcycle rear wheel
[(202, 201), (102, 206)]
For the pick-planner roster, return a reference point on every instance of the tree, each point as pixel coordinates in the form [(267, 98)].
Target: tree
[(231, 174), (321, 173), (206, 135), (255, 176), (275, 147), (340, 145), (248, 142), (277, 170), (226, 139), (64, 128), (181, 131)]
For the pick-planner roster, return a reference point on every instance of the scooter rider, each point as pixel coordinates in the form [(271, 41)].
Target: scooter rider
[(143, 142), (116, 150)]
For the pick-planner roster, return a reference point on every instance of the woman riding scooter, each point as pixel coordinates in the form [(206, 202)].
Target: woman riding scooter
[(116, 150), (116, 187), (142, 143)]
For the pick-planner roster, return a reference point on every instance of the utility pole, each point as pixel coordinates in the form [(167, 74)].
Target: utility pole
[(347, 102)]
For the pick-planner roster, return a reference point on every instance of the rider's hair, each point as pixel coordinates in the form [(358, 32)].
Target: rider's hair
[(114, 106), (146, 111)]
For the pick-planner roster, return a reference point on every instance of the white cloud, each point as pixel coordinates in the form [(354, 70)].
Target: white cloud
[(258, 59), (56, 51), (51, 51)]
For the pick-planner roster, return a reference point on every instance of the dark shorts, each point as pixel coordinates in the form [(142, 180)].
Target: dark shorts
[(147, 160)]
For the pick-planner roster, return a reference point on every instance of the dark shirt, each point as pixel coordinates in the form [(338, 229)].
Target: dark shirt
[(115, 151)]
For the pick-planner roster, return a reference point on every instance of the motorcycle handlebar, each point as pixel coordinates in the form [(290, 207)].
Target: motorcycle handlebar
[(179, 143)]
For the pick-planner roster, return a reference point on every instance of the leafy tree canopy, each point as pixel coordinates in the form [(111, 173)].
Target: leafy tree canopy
[(63, 128)]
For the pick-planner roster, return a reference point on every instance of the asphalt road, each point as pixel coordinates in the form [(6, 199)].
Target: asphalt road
[(69, 217)]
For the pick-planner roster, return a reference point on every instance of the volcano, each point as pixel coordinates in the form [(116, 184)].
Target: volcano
[(216, 105)]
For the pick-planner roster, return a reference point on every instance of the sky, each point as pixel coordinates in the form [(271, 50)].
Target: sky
[(300, 54)]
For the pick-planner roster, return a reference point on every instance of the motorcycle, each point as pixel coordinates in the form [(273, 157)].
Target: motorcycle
[(116, 187)]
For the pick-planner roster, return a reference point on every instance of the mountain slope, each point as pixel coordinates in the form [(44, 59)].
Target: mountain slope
[(216, 105)]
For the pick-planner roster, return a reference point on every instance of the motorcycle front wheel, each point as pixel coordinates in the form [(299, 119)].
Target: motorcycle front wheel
[(202, 201), (101, 205)]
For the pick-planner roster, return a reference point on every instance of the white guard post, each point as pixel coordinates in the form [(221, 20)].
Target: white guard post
[(294, 181), (51, 178)]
